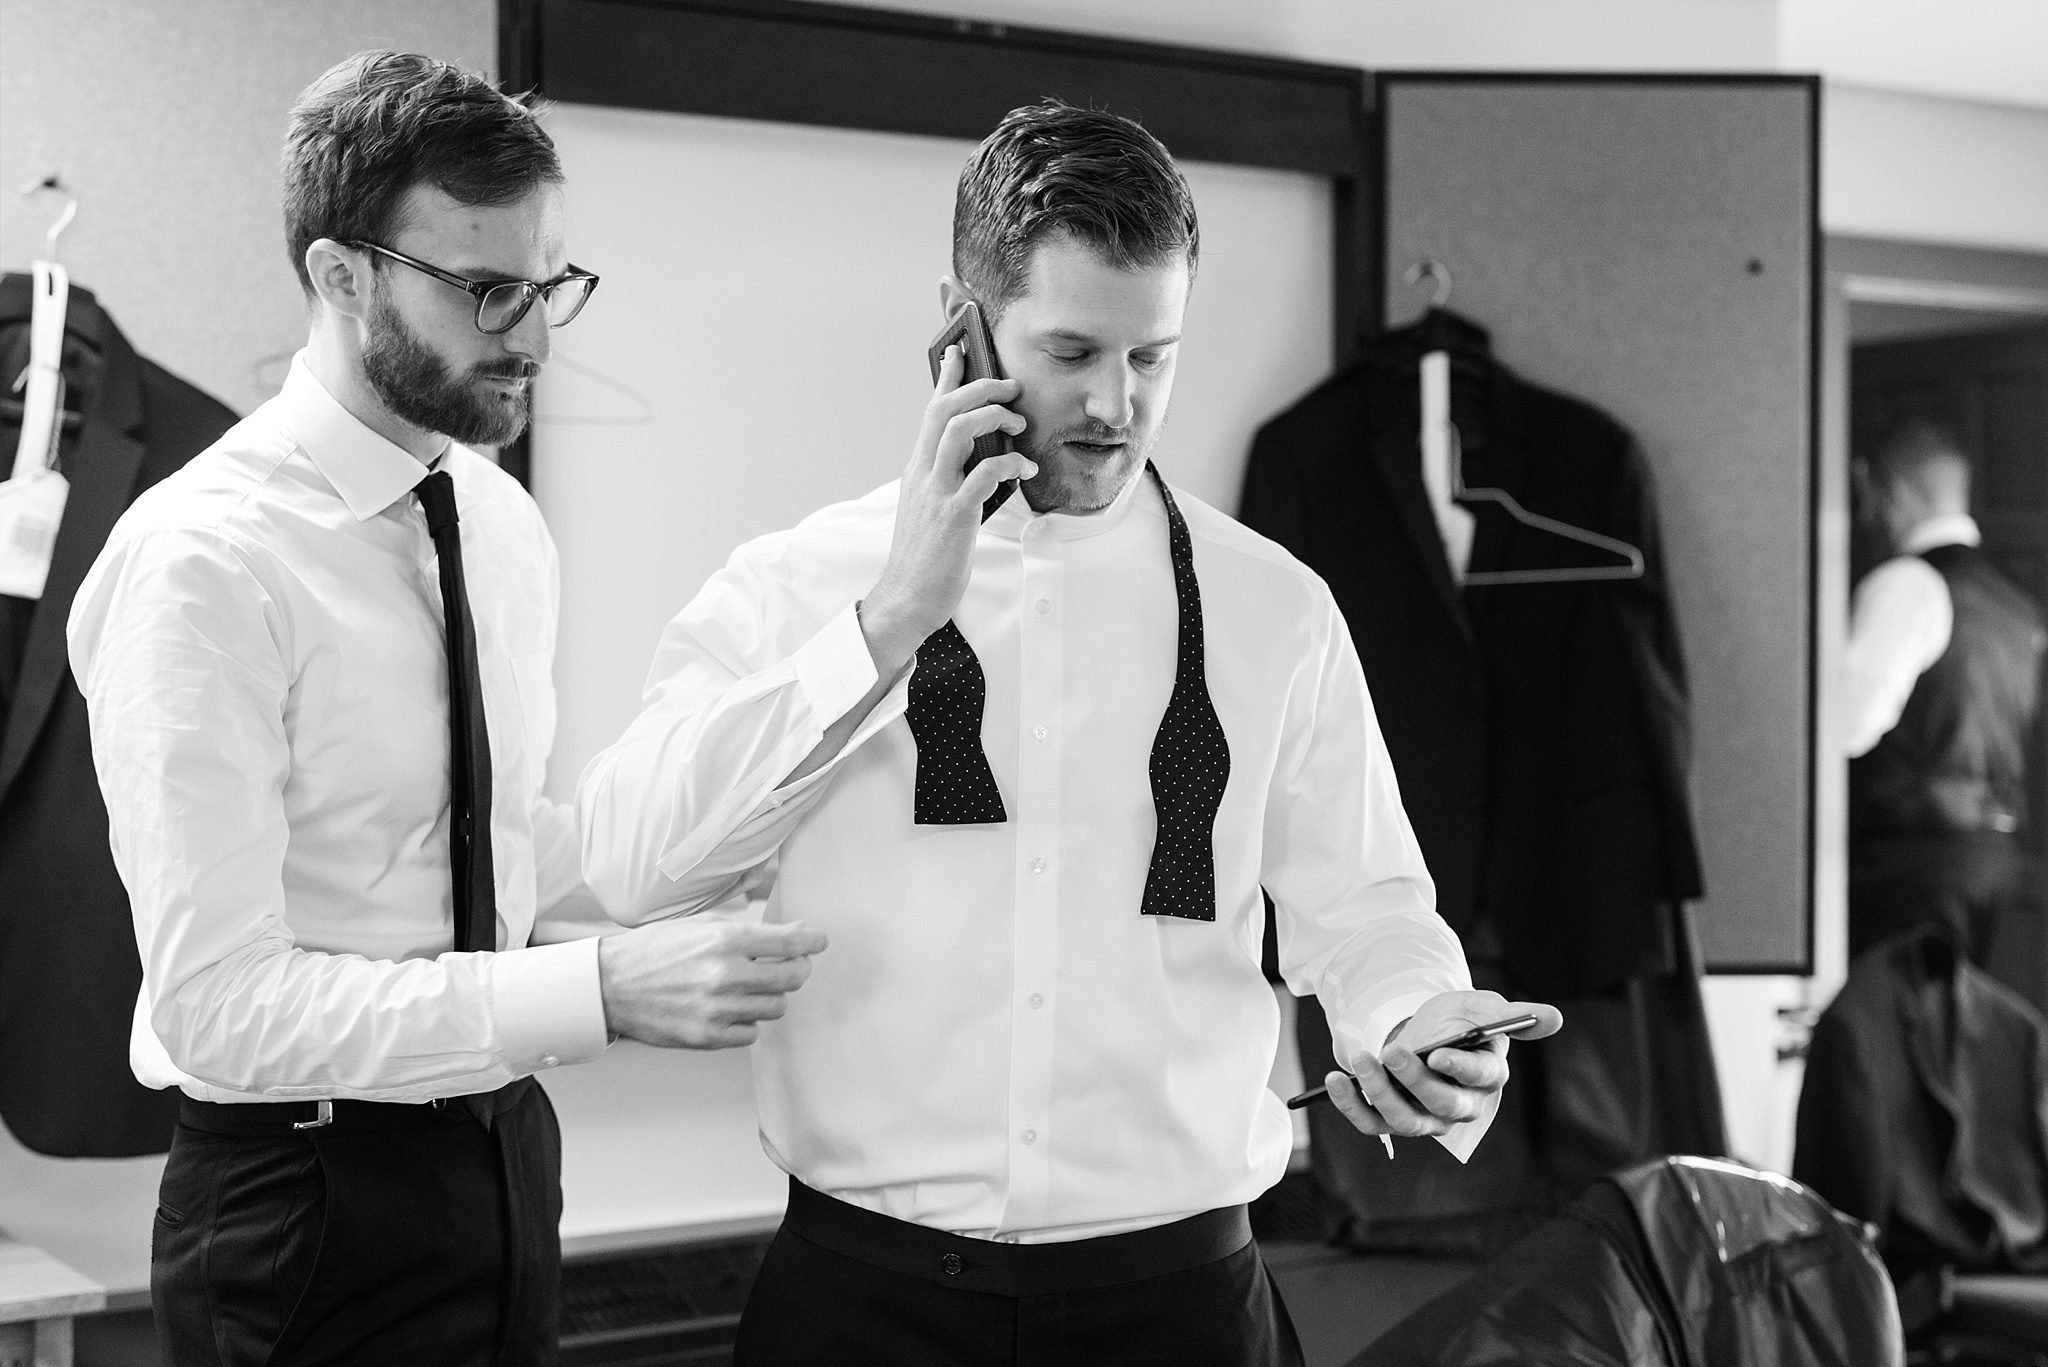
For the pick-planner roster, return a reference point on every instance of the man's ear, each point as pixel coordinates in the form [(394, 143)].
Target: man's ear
[(343, 277), (953, 295)]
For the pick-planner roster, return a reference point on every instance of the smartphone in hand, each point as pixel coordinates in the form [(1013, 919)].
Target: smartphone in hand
[(969, 331), (1474, 1038)]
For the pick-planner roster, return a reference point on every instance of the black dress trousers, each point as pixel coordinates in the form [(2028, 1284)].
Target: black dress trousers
[(844, 1287), (419, 1234)]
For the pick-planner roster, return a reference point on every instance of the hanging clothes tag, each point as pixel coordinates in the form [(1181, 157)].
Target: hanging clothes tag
[(31, 511), (32, 500), (1454, 522)]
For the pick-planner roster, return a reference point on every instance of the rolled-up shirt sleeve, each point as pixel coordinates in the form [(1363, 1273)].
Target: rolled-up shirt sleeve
[(692, 797), (1355, 906), (181, 651)]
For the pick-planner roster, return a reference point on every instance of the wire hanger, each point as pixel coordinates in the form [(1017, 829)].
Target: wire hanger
[(1428, 268), (1461, 493), (52, 182)]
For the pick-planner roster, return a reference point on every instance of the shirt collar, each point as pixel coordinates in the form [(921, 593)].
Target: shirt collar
[(1015, 519), (369, 472), (1943, 529)]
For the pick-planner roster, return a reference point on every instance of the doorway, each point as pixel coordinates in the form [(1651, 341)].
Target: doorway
[(1975, 360)]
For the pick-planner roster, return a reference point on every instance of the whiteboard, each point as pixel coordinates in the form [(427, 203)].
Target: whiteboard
[(756, 349)]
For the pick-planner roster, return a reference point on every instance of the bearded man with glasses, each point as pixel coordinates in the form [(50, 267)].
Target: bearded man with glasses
[(317, 665)]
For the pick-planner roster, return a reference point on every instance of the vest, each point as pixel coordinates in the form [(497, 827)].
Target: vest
[(1957, 760)]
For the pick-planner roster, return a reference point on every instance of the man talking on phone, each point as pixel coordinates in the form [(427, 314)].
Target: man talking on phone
[(1031, 774)]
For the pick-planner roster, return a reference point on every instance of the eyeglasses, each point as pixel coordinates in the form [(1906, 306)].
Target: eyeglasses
[(500, 304)]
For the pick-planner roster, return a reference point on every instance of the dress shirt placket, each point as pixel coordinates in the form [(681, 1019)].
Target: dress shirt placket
[(1036, 922)]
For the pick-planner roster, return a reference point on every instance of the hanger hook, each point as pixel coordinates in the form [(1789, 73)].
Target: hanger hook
[(1429, 268), (52, 182)]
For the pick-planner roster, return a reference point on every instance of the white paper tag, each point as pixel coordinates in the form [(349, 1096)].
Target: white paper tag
[(31, 511)]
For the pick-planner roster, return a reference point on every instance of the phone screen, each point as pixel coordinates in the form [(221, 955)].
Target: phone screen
[(970, 331)]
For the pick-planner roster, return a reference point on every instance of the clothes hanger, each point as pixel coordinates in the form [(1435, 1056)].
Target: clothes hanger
[(1464, 493), (43, 377), (32, 499), (1440, 325)]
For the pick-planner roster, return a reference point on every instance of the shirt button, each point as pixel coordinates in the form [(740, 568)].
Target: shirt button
[(1040, 732), (1037, 999), (952, 1264), (1038, 866), (1031, 1136), (1044, 605), (549, 1061)]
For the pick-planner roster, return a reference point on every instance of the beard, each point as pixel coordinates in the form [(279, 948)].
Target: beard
[(415, 384), (1070, 482)]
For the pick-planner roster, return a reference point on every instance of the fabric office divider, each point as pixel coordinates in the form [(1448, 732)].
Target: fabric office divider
[(1649, 243)]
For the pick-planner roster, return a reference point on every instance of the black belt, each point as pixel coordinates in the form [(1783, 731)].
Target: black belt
[(964, 1264), (286, 1117)]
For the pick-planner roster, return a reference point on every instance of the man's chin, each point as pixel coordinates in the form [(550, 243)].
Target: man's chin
[(1060, 487)]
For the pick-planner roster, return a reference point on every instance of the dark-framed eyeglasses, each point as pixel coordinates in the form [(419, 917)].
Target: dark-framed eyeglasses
[(500, 304)]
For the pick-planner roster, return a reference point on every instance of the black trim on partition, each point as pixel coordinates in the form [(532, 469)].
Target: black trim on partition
[(1815, 340), (888, 71), (519, 72), (1374, 290)]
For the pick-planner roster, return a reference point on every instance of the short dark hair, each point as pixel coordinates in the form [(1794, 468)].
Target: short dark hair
[(379, 123), (1912, 449), (1053, 169)]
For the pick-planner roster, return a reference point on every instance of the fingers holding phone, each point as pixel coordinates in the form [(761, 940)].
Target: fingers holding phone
[(959, 470), (966, 427)]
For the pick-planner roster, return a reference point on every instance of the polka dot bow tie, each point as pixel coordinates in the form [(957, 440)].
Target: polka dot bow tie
[(1190, 756)]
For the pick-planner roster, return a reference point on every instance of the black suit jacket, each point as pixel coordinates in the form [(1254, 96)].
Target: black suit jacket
[(1540, 733), (68, 966)]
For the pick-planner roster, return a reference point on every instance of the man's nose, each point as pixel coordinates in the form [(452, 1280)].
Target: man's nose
[(532, 339), (1110, 398)]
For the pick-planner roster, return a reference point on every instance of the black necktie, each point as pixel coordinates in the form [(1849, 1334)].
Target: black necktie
[(469, 761), (1190, 756)]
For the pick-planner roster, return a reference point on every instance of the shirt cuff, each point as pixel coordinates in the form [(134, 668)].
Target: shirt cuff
[(1370, 1037), (547, 1005), (834, 668)]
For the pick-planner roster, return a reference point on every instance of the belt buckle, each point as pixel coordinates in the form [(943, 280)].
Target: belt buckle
[(324, 1116)]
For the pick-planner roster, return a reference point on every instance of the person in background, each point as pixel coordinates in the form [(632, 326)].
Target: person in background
[(1023, 1115), (317, 663), (1944, 670)]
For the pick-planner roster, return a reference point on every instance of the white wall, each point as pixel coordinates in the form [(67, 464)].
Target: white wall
[(1991, 50), (1924, 168)]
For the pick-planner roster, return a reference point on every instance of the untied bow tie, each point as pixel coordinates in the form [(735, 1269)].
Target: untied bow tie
[(1190, 762)]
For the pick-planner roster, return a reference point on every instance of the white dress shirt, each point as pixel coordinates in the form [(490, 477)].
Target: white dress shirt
[(1900, 620), (261, 649), (997, 1043)]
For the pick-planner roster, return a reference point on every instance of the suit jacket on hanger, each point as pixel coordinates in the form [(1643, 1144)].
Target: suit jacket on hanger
[(69, 971), (1540, 732)]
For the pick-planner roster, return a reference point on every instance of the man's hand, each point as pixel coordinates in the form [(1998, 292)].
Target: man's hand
[(1446, 1089), (938, 514), (701, 984)]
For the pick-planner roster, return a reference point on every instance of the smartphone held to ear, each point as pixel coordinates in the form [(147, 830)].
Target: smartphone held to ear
[(969, 331)]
